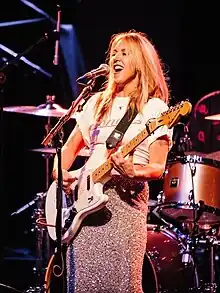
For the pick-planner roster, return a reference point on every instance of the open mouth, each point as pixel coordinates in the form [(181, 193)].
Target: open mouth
[(118, 68)]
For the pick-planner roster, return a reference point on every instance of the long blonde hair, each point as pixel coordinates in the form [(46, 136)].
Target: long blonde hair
[(149, 67)]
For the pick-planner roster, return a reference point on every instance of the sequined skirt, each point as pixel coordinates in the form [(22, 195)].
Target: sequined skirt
[(107, 254)]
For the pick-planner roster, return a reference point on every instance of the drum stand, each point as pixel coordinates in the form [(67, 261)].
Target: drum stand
[(42, 244), (210, 238), (211, 242)]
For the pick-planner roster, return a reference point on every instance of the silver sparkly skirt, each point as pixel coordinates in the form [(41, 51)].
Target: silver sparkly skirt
[(107, 254)]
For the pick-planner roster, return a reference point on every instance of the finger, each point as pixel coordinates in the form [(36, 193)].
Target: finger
[(115, 160), (131, 156), (69, 179), (65, 184), (72, 179), (68, 191)]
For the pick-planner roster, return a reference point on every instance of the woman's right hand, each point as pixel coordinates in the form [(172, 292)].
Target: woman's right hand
[(68, 179)]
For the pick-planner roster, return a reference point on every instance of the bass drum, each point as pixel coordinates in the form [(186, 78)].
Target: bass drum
[(163, 269)]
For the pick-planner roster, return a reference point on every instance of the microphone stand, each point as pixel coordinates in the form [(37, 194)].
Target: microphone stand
[(57, 134)]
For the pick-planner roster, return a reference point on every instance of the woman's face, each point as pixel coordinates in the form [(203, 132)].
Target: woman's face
[(121, 60)]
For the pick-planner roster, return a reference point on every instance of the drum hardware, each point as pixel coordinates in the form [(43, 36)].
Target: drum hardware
[(42, 244), (12, 289), (209, 238), (160, 198), (187, 252), (42, 240)]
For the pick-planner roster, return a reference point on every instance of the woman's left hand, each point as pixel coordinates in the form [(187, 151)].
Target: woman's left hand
[(123, 165)]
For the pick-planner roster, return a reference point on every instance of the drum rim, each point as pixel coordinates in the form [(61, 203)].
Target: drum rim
[(198, 160), (166, 230)]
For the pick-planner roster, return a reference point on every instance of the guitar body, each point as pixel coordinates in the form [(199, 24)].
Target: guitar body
[(86, 198)]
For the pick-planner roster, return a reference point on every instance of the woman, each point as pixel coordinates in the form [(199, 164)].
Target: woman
[(107, 253)]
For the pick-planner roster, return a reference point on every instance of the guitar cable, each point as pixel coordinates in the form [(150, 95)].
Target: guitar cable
[(42, 222)]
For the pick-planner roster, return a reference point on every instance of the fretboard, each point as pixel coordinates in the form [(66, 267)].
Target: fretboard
[(98, 173)]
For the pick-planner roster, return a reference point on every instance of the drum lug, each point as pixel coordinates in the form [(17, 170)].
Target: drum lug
[(161, 197)]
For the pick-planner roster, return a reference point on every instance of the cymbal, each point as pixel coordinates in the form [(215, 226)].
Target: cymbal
[(47, 150), (213, 117), (46, 110)]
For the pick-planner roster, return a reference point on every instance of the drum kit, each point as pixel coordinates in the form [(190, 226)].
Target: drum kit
[(183, 243), (183, 247)]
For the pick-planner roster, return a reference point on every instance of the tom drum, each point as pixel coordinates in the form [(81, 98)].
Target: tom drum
[(188, 182)]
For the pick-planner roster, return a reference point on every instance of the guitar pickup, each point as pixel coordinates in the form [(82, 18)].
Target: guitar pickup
[(88, 182), (76, 192)]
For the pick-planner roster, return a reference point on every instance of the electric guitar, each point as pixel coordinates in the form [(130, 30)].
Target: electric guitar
[(87, 194)]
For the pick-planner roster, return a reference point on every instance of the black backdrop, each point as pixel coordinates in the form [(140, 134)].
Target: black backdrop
[(185, 34)]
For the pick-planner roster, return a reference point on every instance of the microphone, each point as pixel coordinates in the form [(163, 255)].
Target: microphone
[(103, 69)]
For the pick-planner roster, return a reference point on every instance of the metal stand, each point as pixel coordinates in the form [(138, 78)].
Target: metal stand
[(193, 239), (42, 249), (42, 244), (49, 105), (211, 242)]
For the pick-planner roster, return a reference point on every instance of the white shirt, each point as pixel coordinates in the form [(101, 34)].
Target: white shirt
[(95, 136)]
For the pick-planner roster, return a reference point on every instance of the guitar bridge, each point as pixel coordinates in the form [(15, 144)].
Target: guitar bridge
[(76, 192)]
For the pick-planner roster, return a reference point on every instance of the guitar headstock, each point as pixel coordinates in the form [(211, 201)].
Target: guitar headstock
[(172, 116)]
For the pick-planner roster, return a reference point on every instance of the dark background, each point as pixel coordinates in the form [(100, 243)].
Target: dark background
[(185, 33)]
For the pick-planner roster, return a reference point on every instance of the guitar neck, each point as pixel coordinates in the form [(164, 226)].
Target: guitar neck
[(168, 118), (125, 150)]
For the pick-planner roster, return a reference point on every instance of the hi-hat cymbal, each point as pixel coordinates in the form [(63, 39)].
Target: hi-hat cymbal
[(213, 117), (47, 150), (47, 110)]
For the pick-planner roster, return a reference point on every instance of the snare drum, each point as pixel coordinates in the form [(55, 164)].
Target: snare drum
[(189, 173)]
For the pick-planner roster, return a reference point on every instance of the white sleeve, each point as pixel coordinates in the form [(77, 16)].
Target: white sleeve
[(86, 118), (153, 109)]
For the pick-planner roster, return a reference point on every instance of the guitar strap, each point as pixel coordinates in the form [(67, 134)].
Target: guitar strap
[(117, 134)]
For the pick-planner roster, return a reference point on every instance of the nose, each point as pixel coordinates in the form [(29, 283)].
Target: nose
[(116, 57)]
